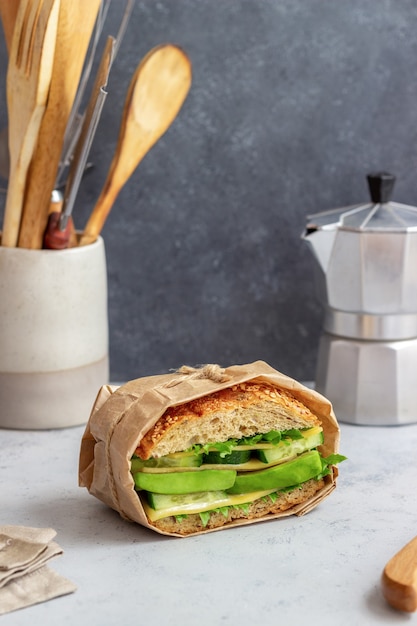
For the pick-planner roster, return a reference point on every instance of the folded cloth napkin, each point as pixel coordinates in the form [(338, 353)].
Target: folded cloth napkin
[(24, 577)]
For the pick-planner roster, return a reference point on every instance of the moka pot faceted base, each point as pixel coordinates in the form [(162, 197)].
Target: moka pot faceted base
[(372, 383)]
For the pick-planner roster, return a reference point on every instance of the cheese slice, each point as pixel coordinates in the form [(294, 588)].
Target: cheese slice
[(249, 466)]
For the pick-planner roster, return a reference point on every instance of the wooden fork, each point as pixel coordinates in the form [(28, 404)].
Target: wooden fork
[(28, 79)]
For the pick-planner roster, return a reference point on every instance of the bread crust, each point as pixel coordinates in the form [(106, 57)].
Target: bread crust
[(242, 410), (257, 509)]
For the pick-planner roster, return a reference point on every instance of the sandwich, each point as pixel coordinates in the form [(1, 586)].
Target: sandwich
[(192, 453), (244, 452)]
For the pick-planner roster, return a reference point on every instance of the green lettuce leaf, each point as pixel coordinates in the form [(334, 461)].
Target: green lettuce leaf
[(328, 461), (226, 447), (334, 459), (205, 516)]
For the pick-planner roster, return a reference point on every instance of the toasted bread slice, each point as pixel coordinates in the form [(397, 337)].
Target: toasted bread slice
[(257, 509), (240, 411)]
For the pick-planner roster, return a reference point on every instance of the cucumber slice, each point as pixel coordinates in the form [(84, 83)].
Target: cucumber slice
[(177, 459), (294, 472), (288, 450), (185, 482), (163, 501), (158, 505), (236, 457)]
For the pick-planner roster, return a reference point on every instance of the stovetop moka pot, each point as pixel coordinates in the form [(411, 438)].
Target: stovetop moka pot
[(366, 276)]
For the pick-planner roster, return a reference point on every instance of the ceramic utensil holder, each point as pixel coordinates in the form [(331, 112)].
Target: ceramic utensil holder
[(53, 335)]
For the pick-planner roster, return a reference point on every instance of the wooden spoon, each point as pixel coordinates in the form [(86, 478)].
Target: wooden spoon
[(8, 14), (155, 95), (28, 81), (399, 579), (75, 27)]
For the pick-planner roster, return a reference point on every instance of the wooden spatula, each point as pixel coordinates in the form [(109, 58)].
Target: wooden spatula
[(399, 579), (28, 81), (75, 27)]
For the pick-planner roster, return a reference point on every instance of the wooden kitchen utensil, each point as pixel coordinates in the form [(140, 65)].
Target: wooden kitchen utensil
[(57, 234), (76, 118), (28, 80), (155, 95), (399, 579), (75, 27), (8, 13)]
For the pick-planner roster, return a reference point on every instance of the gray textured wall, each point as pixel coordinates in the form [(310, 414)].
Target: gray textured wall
[(292, 103)]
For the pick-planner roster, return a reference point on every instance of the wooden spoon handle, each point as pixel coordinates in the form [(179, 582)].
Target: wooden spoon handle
[(101, 210), (399, 579)]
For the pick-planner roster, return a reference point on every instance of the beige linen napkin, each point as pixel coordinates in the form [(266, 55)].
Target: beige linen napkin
[(24, 577)]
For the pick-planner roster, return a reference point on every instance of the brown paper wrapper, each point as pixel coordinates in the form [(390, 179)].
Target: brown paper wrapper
[(122, 415)]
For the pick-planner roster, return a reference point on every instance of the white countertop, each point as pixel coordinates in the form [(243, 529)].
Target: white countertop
[(323, 568)]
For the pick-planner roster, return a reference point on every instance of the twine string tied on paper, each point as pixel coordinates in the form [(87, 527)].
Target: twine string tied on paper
[(211, 371)]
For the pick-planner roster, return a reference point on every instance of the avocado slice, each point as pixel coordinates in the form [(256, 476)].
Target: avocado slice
[(185, 482), (293, 472)]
